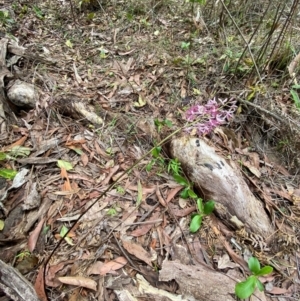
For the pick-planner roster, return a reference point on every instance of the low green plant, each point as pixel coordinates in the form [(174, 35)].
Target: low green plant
[(202, 209), (295, 95), (174, 167), (112, 212), (5, 18), (246, 288), (161, 123), (156, 158)]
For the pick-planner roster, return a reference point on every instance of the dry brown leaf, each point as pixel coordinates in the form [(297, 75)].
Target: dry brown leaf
[(225, 262), (34, 235), (39, 285), (138, 251), (95, 268), (142, 230), (182, 212), (79, 281), (278, 291), (159, 197), (51, 274), (252, 168), (172, 193), (84, 159), (20, 142), (112, 171), (108, 267)]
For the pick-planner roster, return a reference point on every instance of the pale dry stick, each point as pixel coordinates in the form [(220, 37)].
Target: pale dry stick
[(145, 223), (246, 102)]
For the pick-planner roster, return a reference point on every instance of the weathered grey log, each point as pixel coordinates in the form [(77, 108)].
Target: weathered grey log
[(15, 285), (220, 182), (202, 283)]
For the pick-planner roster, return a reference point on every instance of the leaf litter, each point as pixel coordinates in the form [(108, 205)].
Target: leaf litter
[(142, 210)]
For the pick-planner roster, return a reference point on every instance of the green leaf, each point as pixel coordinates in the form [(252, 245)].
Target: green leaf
[(69, 44), (246, 288), (1, 224), (296, 86), (63, 231), (2, 156), (254, 265), (195, 223), (7, 173), (19, 151), (181, 180), (200, 205), (264, 271), (64, 164), (69, 241), (168, 123), (149, 165), (156, 151), (295, 98), (77, 151), (185, 193), (192, 194), (38, 12), (209, 207), (259, 285)]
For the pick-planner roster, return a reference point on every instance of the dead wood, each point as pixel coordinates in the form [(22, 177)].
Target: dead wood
[(202, 283), (220, 182), (15, 285)]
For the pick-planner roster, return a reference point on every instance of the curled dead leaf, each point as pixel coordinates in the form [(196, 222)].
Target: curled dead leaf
[(79, 281)]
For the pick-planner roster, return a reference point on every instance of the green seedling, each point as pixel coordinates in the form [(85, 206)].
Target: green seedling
[(159, 124), (5, 19), (185, 45), (38, 12), (22, 255), (295, 95), (246, 288), (187, 191), (174, 167), (203, 209), (157, 158), (112, 212)]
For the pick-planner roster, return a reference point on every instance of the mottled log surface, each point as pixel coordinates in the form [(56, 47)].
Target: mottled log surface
[(224, 184)]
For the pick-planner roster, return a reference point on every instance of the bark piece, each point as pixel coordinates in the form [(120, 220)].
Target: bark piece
[(15, 285), (200, 282), (220, 182)]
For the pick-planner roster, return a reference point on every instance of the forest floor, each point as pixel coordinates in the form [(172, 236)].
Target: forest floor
[(105, 179)]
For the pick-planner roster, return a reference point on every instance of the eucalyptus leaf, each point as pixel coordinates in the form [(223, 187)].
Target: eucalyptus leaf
[(64, 164)]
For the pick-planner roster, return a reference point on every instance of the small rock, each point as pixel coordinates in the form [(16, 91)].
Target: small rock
[(23, 94)]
